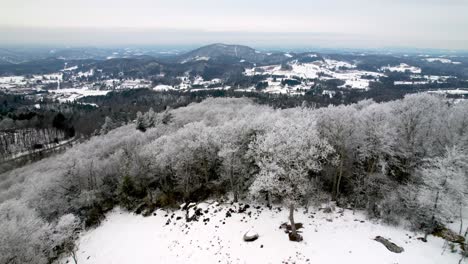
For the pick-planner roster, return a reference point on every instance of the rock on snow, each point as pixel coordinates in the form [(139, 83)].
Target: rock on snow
[(250, 236), (389, 245)]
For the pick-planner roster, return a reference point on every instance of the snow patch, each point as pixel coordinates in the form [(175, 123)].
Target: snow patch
[(166, 238), (403, 67)]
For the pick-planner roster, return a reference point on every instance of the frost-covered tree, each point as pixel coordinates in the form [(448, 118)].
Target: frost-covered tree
[(338, 125), (420, 130), (374, 153), (376, 137), (108, 125), (237, 166), (457, 124), (445, 185), (148, 120), (139, 122), (187, 157), (287, 155), (232, 167), (22, 234), (27, 238), (62, 236)]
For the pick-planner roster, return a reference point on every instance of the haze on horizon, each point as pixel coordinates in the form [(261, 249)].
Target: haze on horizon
[(439, 24)]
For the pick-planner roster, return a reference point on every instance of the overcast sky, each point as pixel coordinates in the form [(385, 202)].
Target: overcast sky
[(335, 23)]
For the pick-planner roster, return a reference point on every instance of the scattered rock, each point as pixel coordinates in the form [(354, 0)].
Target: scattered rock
[(389, 245), (193, 213), (140, 208), (287, 227), (244, 208), (199, 212), (329, 208), (296, 238), (250, 236), (422, 239)]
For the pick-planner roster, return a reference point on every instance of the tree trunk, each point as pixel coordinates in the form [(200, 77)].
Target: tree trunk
[(371, 167), (461, 219), (73, 253), (461, 260), (268, 198), (338, 182), (291, 220), (236, 194), (432, 224), (334, 186), (233, 183)]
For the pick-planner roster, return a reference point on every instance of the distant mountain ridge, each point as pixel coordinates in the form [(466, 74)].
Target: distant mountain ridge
[(220, 51)]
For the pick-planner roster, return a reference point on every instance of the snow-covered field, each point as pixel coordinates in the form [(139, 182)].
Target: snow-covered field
[(12, 80), (326, 69), (72, 94), (22, 80), (458, 91), (417, 79), (162, 87), (196, 58), (410, 82), (442, 60), (165, 237), (403, 67)]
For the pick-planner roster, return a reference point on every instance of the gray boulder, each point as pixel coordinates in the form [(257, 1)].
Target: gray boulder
[(250, 236), (389, 245)]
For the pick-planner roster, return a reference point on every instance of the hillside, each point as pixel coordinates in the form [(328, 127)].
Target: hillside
[(215, 51), (400, 165), (232, 54)]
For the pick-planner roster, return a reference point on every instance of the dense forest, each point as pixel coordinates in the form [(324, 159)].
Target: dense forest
[(27, 126), (403, 161), (20, 112)]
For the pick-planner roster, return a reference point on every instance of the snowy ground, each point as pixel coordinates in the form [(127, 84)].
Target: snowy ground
[(332, 69), (458, 91), (166, 237), (442, 60), (72, 94), (403, 67)]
